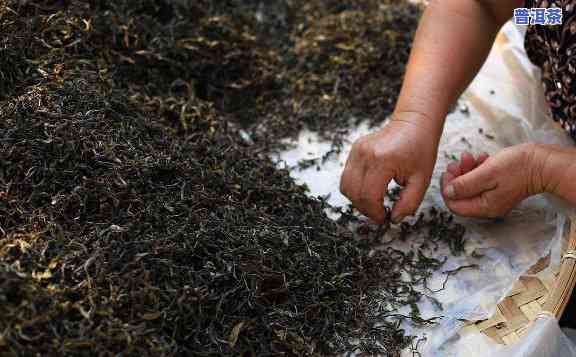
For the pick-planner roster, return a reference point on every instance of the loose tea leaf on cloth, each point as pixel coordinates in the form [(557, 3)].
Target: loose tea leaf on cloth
[(139, 213)]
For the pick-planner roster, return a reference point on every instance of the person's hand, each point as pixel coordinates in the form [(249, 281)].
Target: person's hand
[(404, 150), (491, 186)]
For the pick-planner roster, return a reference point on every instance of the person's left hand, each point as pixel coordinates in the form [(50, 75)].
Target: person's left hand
[(490, 186)]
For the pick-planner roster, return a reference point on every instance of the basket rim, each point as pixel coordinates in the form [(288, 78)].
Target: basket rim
[(532, 297), (566, 279)]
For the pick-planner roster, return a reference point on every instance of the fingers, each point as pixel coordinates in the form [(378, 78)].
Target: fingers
[(365, 188), (447, 177), (476, 206), (467, 162), (352, 178), (472, 207), (454, 169), (410, 199), (482, 158), (371, 199), (469, 185)]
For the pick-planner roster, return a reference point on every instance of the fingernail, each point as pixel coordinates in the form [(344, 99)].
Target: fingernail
[(450, 192), (397, 219)]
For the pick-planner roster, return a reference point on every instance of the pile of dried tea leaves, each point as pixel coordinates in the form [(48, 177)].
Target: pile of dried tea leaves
[(139, 213)]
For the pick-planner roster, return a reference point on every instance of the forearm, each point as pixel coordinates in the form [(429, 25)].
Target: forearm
[(452, 42)]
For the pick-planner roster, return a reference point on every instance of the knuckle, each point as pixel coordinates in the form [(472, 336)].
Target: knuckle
[(487, 208), (364, 197), (364, 148), (411, 210), (453, 209), (364, 211), (458, 186)]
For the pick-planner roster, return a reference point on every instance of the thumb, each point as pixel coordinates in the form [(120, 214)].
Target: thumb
[(410, 199), (469, 185)]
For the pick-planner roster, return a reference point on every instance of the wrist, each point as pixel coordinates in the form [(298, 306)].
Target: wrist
[(552, 166), (430, 125), (539, 168)]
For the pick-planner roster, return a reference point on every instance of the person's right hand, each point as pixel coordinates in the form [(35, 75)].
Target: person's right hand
[(404, 150)]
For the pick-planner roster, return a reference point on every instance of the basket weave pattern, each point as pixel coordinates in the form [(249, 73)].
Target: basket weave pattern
[(530, 297)]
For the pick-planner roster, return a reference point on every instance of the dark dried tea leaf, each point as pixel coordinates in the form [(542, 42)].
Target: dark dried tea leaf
[(140, 214)]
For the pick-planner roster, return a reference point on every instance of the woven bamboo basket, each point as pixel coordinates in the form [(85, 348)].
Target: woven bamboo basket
[(531, 297)]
